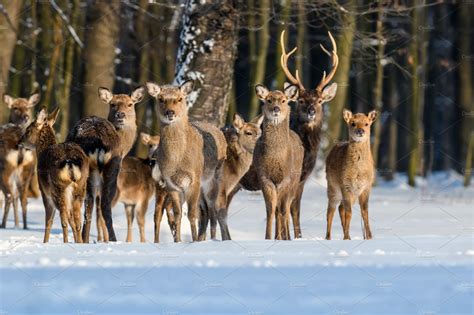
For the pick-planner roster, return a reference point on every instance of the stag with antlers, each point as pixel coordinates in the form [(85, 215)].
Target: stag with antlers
[(307, 118)]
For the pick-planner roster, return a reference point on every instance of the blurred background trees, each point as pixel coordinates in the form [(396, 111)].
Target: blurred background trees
[(411, 60)]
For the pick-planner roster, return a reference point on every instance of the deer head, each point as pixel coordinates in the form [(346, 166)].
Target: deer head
[(310, 102), (242, 136), (21, 108), (359, 124), (40, 128), (122, 107), (151, 142), (171, 101), (275, 103)]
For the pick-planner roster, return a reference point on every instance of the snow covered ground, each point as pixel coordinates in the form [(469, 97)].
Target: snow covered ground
[(419, 262)]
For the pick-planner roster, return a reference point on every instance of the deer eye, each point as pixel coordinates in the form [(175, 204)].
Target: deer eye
[(353, 124), (366, 124), (248, 133), (130, 105), (269, 101), (180, 99), (283, 101)]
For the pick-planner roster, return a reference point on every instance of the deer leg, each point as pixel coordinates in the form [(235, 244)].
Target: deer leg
[(169, 215), (64, 221), (72, 223), (177, 214), (347, 202), (270, 197), (8, 201), (15, 211), (99, 220), (160, 199), (221, 214), (203, 220), (76, 210), (24, 202), (89, 206), (109, 189), (129, 211), (329, 217), (295, 212), (141, 219), (364, 207), (49, 217), (193, 209)]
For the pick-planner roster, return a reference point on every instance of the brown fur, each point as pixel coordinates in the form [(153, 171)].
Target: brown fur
[(16, 171), (62, 173), (182, 152), (106, 142), (278, 157), (350, 173), (241, 139)]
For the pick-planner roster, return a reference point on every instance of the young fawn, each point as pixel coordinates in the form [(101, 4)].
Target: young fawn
[(106, 142), (241, 138), (188, 154), (62, 173), (21, 108), (307, 119), (278, 157), (350, 173), (17, 165), (162, 201)]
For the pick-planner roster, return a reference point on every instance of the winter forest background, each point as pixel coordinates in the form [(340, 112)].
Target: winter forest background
[(411, 60)]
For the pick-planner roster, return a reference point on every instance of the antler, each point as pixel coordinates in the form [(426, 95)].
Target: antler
[(335, 61), (284, 63)]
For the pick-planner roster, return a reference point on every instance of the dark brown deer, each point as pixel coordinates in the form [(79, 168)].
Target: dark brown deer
[(307, 119), (106, 142), (62, 173)]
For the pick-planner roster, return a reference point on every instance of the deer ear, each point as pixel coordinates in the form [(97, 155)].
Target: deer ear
[(258, 120), (153, 89), (347, 115), (291, 91), (105, 95), (373, 115), (238, 121), (33, 100), (329, 92), (53, 116), (7, 99), (42, 116), (261, 91), (145, 138), (187, 87), (138, 94)]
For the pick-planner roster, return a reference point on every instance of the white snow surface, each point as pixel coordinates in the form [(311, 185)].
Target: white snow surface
[(419, 262)]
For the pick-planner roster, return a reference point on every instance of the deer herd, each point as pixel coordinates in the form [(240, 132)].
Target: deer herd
[(189, 162)]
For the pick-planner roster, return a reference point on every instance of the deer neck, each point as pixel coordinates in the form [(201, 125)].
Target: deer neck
[(276, 137), (238, 160), (127, 135), (362, 148), (46, 139), (173, 141)]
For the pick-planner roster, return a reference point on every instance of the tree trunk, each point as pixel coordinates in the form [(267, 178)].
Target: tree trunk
[(99, 53), (414, 113), (258, 69), (206, 55), (378, 82), (466, 100), (469, 161), (393, 127), (8, 34), (64, 99), (344, 51), (284, 15)]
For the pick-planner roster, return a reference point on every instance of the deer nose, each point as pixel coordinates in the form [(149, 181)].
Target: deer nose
[(169, 113), (359, 132), (311, 111), (152, 162), (276, 110), (120, 115)]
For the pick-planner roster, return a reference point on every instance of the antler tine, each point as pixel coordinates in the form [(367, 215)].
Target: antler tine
[(335, 61), (284, 62)]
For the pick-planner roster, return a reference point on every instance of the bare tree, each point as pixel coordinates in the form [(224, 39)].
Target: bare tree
[(207, 51), (9, 18), (99, 53)]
